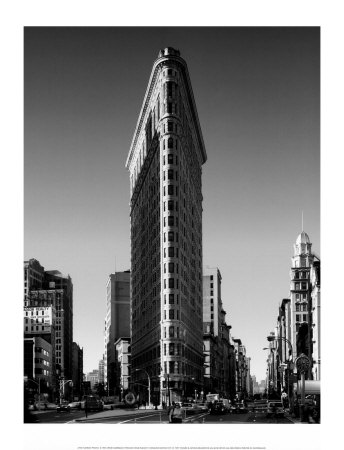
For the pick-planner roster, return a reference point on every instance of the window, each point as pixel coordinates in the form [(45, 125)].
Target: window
[(171, 267), (170, 221), (171, 283), (305, 317), (170, 158), (169, 126), (298, 317), (170, 236), (170, 189), (169, 85), (171, 251), (170, 205), (171, 299), (171, 349), (171, 367), (297, 307), (171, 314), (304, 285), (170, 174), (169, 108)]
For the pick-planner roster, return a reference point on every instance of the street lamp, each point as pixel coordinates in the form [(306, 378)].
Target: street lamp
[(62, 385), (149, 383)]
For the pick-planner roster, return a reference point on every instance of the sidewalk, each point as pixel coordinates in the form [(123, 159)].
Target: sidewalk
[(292, 418)]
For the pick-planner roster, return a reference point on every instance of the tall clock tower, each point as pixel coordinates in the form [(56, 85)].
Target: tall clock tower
[(300, 296)]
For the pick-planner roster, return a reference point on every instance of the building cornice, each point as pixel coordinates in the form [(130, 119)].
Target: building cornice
[(158, 64)]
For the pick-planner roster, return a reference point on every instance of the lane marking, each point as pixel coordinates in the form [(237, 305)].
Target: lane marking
[(138, 418)]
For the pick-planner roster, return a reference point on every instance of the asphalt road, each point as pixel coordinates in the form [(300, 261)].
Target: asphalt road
[(151, 417)]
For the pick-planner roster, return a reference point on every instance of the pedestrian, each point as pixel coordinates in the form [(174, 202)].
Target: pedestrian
[(176, 413)]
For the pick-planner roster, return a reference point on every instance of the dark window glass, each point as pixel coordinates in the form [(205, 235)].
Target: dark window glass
[(171, 221), (171, 251), (170, 189), (169, 88), (169, 126), (170, 158), (171, 364)]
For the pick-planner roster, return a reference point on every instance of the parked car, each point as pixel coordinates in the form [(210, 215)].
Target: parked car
[(275, 409), (74, 405), (218, 407), (201, 406), (93, 403), (226, 404), (43, 406), (63, 406), (260, 406), (187, 406), (240, 408)]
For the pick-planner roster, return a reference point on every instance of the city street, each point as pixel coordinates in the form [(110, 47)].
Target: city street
[(121, 416)]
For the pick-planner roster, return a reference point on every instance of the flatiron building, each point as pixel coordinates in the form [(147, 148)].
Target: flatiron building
[(165, 167)]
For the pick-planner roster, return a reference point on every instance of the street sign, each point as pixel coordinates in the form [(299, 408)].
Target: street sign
[(302, 363)]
